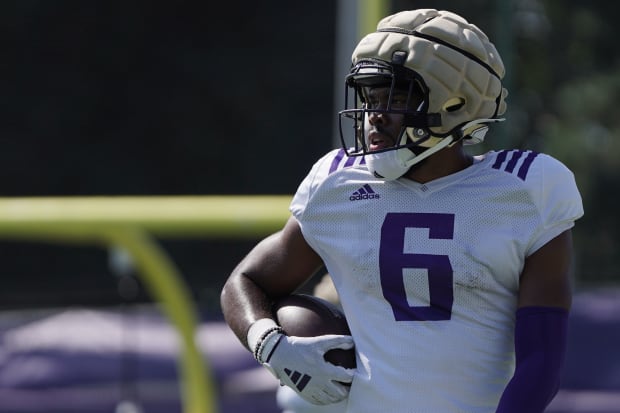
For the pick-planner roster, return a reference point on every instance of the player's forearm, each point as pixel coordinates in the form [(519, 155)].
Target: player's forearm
[(243, 302), (540, 346)]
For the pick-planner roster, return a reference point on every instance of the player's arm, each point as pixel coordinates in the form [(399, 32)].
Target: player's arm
[(276, 267), (540, 330)]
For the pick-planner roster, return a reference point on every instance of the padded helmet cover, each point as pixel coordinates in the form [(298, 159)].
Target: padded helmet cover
[(460, 66)]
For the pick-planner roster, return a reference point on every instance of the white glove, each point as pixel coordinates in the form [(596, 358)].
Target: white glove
[(299, 363)]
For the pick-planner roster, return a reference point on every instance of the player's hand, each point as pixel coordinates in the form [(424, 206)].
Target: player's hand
[(299, 363)]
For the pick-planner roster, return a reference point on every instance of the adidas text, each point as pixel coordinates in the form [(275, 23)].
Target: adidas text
[(357, 197), (365, 192)]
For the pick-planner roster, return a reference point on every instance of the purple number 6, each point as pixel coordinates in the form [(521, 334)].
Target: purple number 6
[(393, 259)]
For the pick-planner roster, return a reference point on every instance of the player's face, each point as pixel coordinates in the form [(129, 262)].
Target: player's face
[(383, 128)]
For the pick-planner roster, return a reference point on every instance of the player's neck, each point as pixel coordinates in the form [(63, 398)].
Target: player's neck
[(443, 163)]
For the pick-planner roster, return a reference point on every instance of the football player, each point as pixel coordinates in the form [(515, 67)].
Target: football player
[(453, 270)]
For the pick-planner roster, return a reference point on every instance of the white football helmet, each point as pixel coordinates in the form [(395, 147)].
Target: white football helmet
[(451, 72)]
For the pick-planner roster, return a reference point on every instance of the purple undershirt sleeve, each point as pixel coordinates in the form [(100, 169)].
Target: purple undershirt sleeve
[(540, 347)]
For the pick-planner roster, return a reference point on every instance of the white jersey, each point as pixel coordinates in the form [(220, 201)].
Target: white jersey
[(428, 274)]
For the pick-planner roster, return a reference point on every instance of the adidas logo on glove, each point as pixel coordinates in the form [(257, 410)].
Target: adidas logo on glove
[(299, 379)]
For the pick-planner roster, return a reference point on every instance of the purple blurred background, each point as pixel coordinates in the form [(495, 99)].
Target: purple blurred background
[(124, 360)]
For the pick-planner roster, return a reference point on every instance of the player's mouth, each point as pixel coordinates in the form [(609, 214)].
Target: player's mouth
[(378, 140)]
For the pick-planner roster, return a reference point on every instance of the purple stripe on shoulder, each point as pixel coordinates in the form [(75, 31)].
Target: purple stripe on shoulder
[(349, 162), (501, 157), (336, 161), (525, 167), (513, 161)]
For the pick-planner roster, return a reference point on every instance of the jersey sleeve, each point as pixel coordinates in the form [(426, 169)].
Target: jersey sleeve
[(320, 170), (558, 200)]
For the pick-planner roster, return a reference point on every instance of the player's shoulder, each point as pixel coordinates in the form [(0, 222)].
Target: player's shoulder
[(527, 166), (328, 175), (338, 160), (335, 162), (550, 184)]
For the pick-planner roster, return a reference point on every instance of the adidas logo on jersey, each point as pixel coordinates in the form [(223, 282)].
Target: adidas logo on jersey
[(300, 380), (365, 192)]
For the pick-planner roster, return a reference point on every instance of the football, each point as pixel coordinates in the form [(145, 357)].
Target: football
[(308, 316)]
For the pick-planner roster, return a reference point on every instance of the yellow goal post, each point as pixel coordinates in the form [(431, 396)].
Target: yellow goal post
[(134, 224)]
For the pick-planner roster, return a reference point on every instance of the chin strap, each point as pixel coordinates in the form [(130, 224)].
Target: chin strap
[(447, 141), (475, 130), (392, 165)]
